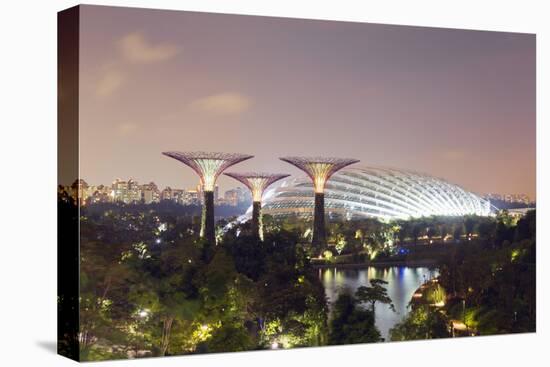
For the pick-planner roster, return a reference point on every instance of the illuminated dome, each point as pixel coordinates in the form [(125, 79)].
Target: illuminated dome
[(383, 193)]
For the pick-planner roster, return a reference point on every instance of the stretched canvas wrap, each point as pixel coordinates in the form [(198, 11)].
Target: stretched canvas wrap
[(233, 183)]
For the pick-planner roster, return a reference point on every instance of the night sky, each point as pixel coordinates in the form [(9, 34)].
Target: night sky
[(456, 104)]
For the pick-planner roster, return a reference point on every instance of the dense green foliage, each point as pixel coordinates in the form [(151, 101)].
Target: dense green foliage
[(372, 241), (149, 286), (422, 322), (350, 324), (496, 277), (486, 286)]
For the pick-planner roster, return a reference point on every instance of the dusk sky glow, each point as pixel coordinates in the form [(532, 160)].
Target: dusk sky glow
[(455, 104)]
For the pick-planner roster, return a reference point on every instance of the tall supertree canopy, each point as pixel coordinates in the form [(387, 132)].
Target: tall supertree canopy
[(319, 169), (256, 182), (208, 165)]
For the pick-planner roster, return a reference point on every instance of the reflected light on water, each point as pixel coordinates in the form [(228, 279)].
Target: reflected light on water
[(402, 283)]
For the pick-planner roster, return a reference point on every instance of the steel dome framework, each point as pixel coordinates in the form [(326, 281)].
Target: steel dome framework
[(376, 192)]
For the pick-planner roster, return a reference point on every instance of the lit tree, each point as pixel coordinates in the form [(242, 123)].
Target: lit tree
[(257, 183), (377, 292), (319, 169), (208, 166)]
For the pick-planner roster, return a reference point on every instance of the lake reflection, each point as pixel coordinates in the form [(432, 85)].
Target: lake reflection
[(402, 282)]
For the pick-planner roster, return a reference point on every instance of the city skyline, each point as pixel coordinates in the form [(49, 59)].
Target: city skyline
[(131, 191), (455, 104), (512, 197)]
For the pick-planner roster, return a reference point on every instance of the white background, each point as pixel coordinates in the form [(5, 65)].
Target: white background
[(28, 181)]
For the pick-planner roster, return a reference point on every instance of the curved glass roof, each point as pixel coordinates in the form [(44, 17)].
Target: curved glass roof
[(384, 193)]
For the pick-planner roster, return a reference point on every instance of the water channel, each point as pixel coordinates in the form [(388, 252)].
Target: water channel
[(402, 283)]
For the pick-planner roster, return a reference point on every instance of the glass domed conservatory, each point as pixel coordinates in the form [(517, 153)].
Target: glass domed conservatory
[(382, 193)]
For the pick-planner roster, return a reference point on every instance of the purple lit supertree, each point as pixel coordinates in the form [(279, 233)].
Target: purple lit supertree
[(319, 169), (208, 165), (257, 183)]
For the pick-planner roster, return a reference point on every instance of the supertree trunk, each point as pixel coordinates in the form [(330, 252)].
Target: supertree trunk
[(208, 165), (207, 223), (319, 235), (319, 169), (257, 220), (257, 182)]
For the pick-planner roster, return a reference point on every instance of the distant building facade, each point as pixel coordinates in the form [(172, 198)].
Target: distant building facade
[(131, 192), (127, 192), (236, 196), (509, 198)]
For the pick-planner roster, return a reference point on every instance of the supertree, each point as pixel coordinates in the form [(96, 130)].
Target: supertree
[(208, 165), (319, 169), (257, 183)]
